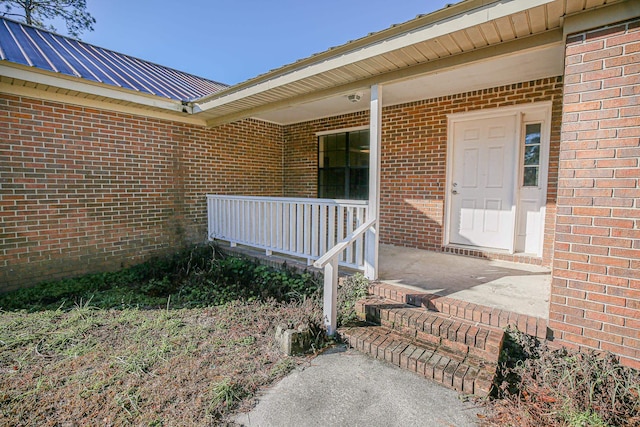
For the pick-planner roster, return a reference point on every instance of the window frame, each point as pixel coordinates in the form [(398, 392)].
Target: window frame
[(523, 165), (347, 168)]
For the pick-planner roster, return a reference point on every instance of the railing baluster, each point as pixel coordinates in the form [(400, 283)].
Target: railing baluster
[(292, 227), (307, 229), (349, 228), (315, 222), (299, 228), (236, 224), (322, 236), (359, 249), (271, 207), (278, 222), (341, 232), (285, 226), (331, 225)]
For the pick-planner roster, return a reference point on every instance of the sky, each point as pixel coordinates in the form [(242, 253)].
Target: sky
[(230, 41)]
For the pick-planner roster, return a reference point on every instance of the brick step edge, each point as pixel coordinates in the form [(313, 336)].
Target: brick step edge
[(491, 316), (438, 363), (482, 341)]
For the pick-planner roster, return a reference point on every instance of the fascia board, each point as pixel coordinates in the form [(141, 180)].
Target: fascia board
[(602, 16), (35, 93), (45, 78), (472, 18)]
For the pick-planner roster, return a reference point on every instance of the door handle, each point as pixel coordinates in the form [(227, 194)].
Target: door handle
[(454, 191)]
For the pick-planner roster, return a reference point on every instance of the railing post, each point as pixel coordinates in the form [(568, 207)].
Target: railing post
[(330, 309)]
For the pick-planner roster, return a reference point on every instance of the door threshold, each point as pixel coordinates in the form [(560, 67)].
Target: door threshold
[(493, 254)]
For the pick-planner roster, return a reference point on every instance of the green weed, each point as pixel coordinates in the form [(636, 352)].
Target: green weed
[(282, 368), (197, 276), (145, 344), (225, 395), (351, 289)]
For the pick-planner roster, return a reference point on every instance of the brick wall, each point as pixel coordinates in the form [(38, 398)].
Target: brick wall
[(87, 190), (414, 142), (595, 301)]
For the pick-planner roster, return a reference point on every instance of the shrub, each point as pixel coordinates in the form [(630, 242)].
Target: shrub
[(562, 387), (352, 288), (196, 276)]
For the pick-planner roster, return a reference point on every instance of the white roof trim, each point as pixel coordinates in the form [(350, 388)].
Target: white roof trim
[(81, 85), (469, 19), (54, 96)]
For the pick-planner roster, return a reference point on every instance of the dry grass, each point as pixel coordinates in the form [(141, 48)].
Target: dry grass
[(140, 367)]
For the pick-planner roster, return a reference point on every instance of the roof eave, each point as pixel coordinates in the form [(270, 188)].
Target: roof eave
[(458, 16), (43, 77)]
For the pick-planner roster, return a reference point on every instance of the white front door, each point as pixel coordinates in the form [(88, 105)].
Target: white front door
[(482, 209)]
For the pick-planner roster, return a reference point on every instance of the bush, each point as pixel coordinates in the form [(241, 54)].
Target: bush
[(562, 387), (352, 288), (230, 278), (196, 276)]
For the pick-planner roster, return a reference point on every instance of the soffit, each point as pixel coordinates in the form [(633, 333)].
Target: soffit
[(426, 40)]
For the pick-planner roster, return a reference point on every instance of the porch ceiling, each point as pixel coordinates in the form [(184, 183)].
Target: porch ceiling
[(519, 67), (466, 46)]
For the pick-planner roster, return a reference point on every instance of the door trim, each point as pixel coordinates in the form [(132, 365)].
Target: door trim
[(519, 111)]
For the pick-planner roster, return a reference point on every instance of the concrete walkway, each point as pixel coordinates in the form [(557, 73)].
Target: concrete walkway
[(346, 388)]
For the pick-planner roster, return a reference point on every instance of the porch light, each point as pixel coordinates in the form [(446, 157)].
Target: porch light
[(355, 97)]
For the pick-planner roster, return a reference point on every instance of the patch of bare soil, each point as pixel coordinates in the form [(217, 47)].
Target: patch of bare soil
[(140, 367)]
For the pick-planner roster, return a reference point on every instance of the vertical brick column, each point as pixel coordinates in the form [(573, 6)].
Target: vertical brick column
[(595, 297)]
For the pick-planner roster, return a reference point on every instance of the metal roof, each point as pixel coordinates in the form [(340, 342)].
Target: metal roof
[(35, 47)]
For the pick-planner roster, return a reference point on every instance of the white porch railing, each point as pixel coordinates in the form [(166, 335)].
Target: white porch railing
[(305, 228)]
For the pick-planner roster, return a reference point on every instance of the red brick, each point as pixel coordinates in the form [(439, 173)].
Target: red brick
[(145, 198)]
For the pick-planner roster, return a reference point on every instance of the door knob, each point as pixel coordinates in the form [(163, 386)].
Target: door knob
[(454, 191)]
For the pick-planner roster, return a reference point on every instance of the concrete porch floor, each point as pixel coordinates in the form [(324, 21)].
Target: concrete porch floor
[(520, 288)]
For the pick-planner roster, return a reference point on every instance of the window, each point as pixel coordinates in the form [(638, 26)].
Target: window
[(531, 173), (343, 165)]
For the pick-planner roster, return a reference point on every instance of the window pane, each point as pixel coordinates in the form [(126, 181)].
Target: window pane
[(532, 155), (341, 141), (531, 176), (532, 133), (331, 142), (322, 149), (358, 158), (359, 148), (331, 183), (336, 159), (359, 183)]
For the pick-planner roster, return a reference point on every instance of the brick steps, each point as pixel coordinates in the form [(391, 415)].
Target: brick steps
[(453, 342), (481, 314), (449, 367), (481, 341)]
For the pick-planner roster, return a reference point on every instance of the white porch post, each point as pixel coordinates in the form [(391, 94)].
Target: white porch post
[(372, 235)]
